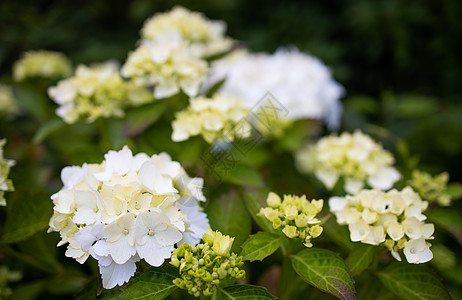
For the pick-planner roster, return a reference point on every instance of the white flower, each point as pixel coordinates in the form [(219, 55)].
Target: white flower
[(117, 274), (155, 237), (120, 237), (88, 207), (417, 251), (300, 82)]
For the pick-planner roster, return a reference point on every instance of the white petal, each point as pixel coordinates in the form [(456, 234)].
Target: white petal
[(153, 253), (117, 274), (168, 237), (121, 250), (337, 203), (85, 238)]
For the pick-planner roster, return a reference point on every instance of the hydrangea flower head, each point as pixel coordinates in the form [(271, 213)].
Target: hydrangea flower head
[(6, 184), (127, 208), (201, 267), (300, 82), (204, 36), (212, 118), (94, 92), (393, 218), (354, 157), (41, 63), (295, 216)]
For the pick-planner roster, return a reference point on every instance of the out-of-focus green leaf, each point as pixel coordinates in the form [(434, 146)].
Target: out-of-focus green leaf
[(360, 258), (26, 216), (449, 219), (261, 245), (242, 292), (362, 104), (229, 215), (48, 129), (454, 190), (413, 282), (236, 173), (326, 271), (415, 106), (291, 285), (139, 118), (338, 234), (93, 290), (254, 200), (369, 287)]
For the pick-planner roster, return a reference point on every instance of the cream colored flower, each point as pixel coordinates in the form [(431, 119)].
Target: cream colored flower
[(41, 63)]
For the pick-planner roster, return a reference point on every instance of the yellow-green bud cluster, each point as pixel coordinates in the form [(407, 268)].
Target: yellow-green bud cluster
[(432, 189), (354, 157), (41, 63), (7, 276), (295, 216), (96, 91), (203, 266), (214, 119), (393, 218), (7, 101), (5, 184)]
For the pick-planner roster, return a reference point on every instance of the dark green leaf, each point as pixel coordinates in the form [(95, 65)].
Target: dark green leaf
[(413, 282), (360, 258), (139, 118), (449, 219), (338, 234), (413, 106), (254, 200), (239, 174), (48, 129), (229, 215), (291, 285), (261, 245), (326, 271), (454, 190), (242, 292)]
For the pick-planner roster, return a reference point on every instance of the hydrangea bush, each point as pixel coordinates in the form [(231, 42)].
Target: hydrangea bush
[(197, 168)]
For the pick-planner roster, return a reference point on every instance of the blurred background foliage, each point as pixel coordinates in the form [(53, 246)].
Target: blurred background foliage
[(399, 62)]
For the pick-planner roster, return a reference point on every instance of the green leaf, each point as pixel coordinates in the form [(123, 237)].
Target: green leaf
[(291, 286), (242, 292), (48, 129), (454, 190), (239, 174), (254, 200), (449, 219), (338, 234), (261, 245), (26, 216), (155, 284), (139, 118), (414, 106), (324, 270), (413, 282), (360, 258), (229, 215)]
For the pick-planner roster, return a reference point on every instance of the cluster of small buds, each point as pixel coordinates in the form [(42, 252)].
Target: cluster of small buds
[(205, 37), (96, 91), (354, 157), (212, 118), (41, 63), (203, 266), (5, 184), (393, 218), (7, 101), (296, 216), (432, 189), (7, 276)]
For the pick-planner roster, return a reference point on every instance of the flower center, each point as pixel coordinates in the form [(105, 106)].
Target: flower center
[(137, 206), (409, 230), (95, 209), (361, 232), (125, 231), (118, 212), (413, 251), (151, 232)]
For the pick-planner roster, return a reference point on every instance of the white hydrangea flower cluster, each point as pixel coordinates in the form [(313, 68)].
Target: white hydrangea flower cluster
[(96, 91), (7, 100), (394, 218), (300, 82), (167, 63), (6, 185), (354, 157), (205, 37), (125, 209), (42, 63), (211, 118)]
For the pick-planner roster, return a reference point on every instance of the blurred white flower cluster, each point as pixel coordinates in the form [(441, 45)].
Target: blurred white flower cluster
[(300, 82), (125, 209), (394, 218), (42, 63), (7, 101), (171, 52), (212, 118), (354, 157), (6, 184), (96, 91), (205, 37)]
